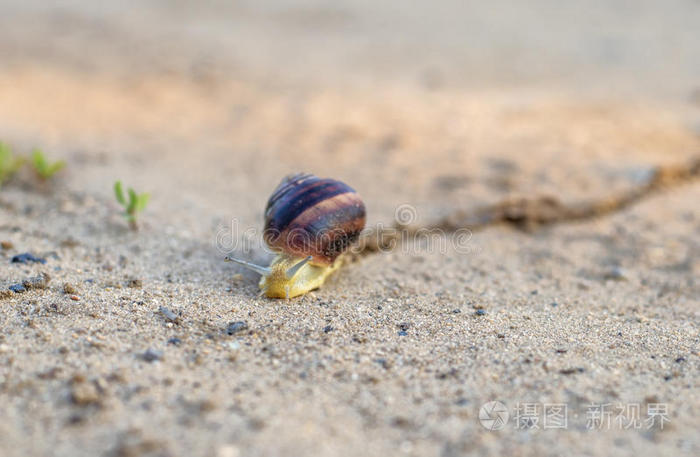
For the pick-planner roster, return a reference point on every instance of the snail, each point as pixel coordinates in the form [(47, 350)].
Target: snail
[(310, 223)]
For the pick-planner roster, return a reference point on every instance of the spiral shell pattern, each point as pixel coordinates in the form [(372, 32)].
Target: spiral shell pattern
[(307, 215)]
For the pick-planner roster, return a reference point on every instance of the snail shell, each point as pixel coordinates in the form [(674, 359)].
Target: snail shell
[(310, 216)]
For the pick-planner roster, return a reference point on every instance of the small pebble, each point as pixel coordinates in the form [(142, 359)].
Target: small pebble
[(568, 371), (328, 329), (135, 283), (175, 341), (74, 298), (480, 312), (26, 258), (235, 327), (384, 363), (84, 393), (75, 419), (70, 243), (403, 333), (168, 314), (17, 288), (151, 355), (69, 289), (615, 274), (6, 244)]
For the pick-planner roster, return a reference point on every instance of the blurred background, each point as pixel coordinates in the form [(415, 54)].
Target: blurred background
[(440, 104), (452, 94), (601, 46)]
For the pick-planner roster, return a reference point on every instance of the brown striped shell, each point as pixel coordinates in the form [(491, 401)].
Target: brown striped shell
[(307, 215)]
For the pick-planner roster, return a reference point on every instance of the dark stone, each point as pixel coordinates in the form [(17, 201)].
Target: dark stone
[(17, 288), (175, 341), (568, 371), (235, 327), (384, 363), (26, 258), (151, 355), (447, 374)]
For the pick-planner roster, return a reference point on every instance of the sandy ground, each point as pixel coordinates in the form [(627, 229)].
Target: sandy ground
[(431, 109)]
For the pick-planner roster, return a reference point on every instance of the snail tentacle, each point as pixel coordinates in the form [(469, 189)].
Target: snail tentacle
[(295, 269), (251, 266)]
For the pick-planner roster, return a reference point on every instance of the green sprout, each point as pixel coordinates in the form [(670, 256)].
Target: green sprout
[(136, 203), (9, 164), (43, 167)]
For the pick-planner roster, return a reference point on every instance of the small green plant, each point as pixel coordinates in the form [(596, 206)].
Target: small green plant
[(43, 167), (136, 203), (9, 163)]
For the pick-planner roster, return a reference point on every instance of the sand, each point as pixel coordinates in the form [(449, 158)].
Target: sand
[(147, 343)]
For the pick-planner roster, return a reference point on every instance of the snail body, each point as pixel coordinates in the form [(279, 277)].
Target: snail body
[(309, 222)]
